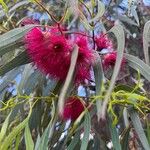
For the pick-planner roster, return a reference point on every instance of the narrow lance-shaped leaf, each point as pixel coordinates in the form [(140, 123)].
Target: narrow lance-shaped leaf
[(4, 5), (8, 78), (17, 5), (10, 40), (48, 131), (12, 9), (28, 138), (100, 13), (146, 41), (37, 142), (19, 60), (73, 4), (98, 74), (12, 135), (87, 128), (74, 141), (138, 128), (134, 13), (148, 131), (114, 135), (68, 80), (125, 117), (137, 63), (17, 141), (126, 19), (119, 33), (125, 138), (4, 128), (28, 70)]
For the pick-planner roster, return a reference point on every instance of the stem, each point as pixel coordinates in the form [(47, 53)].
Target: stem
[(61, 20), (72, 32), (59, 28), (86, 8), (93, 37), (41, 5), (93, 33)]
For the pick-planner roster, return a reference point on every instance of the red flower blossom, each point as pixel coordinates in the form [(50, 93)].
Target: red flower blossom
[(50, 52), (84, 60), (103, 42), (109, 60), (72, 109)]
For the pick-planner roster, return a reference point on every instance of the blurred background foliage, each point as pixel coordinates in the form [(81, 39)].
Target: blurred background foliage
[(28, 99)]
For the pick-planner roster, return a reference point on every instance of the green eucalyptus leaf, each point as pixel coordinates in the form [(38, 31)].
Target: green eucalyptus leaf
[(100, 13), (74, 9), (48, 131), (28, 138), (124, 18), (17, 141), (125, 88), (17, 5), (4, 5), (68, 80), (26, 73), (12, 135), (114, 135), (98, 73), (19, 60), (119, 33), (36, 116), (87, 129), (4, 128), (134, 13), (12, 39), (38, 140), (138, 128), (9, 78), (146, 41), (12, 8), (74, 141), (125, 139), (139, 65), (148, 131)]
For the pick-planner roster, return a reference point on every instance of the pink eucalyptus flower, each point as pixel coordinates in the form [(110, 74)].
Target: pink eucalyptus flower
[(50, 52), (103, 42), (72, 109), (84, 61), (109, 60)]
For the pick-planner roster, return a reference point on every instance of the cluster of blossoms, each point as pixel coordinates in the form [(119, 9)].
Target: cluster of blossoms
[(50, 50), (109, 59)]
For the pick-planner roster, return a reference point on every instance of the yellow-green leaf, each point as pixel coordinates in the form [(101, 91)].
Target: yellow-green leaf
[(28, 138), (4, 5), (4, 128), (12, 135)]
